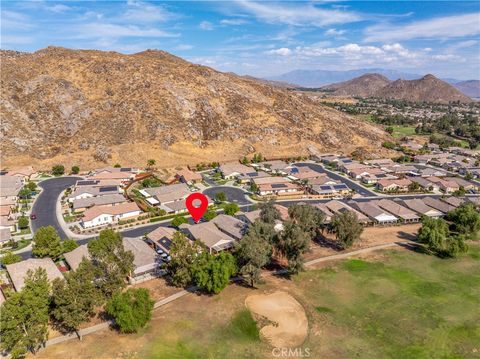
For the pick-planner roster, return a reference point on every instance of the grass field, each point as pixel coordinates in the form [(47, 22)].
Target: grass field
[(397, 304), (401, 131)]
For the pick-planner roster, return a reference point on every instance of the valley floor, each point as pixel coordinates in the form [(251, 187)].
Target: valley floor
[(390, 304)]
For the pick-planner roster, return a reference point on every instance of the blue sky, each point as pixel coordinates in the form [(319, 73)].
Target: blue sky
[(262, 38)]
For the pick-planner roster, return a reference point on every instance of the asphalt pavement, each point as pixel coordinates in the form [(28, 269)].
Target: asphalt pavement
[(234, 194), (45, 206)]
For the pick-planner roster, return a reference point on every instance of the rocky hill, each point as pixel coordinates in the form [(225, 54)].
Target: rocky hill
[(364, 86), (428, 88), (85, 107)]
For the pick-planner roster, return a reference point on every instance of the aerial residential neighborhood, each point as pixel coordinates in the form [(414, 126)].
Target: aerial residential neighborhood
[(239, 179)]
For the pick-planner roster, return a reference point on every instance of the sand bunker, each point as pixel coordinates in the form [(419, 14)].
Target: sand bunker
[(283, 320)]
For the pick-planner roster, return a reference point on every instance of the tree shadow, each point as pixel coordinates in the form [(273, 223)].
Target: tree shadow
[(325, 242), (414, 247), (407, 236)]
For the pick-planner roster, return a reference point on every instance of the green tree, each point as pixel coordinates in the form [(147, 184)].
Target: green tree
[(75, 297), (183, 253), (23, 222), (131, 309), (292, 244), (9, 258), (178, 220), (347, 228), (263, 230), (231, 208), (209, 214), (117, 165), (436, 235), (32, 186), (414, 186), (75, 170), (212, 273), (24, 319), (24, 193), (58, 170), (309, 218), (252, 253), (69, 245), (47, 243), (465, 220), (151, 163), (220, 197), (389, 130), (268, 212), (111, 261)]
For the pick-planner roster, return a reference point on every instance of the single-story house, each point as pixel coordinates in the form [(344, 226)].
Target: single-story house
[(425, 183), (401, 169), (397, 185), (92, 191), (324, 180), (24, 172), (429, 172), (358, 173), (453, 201), (18, 271), (145, 259), (248, 217), (420, 207), (75, 257), (407, 215), (279, 189), (325, 211), (376, 213), (209, 234), (167, 194), (437, 204), (189, 177), (230, 225), (350, 166), (111, 173), (374, 178), (276, 166), (161, 238), (233, 170), (270, 180), (340, 207), (327, 191), (445, 185), (102, 215), (250, 176), (467, 185), (82, 204), (380, 162), (7, 223)]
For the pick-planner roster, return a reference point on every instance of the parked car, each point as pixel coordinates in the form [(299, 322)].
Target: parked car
[(33, 216)]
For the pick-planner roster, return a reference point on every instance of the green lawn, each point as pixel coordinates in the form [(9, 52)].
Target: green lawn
[(401, 131)]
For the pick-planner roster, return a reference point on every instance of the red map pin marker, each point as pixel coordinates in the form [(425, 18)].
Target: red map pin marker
[(197, 212)]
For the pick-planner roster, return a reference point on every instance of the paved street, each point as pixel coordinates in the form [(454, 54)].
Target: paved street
[(234, 194), (351, 184), (45, 206)]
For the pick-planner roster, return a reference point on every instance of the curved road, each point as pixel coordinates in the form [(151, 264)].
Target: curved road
[(234, 194), (45, 206)]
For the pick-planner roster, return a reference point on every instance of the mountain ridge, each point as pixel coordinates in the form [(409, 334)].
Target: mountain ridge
[(89, 106)]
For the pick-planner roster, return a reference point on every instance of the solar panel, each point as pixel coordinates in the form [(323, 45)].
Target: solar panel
[(108, 189), (252, 174), (86, 182), (126, 169), (294, 170), (340, 186), (278, 185), (325, 188)]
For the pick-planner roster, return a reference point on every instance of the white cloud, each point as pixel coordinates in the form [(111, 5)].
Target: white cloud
[(59, 8), (284, 51), (105, 30), (206, 25), (183, 47), (297, 14), (436, 28), (145, 12), (335, 32), (234, 22), (12, 20)]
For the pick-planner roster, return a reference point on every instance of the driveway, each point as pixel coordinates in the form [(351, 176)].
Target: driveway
[(45, 206), (234, 194), (351, 184)]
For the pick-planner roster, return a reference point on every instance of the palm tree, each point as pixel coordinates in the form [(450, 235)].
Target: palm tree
[(150, 163)]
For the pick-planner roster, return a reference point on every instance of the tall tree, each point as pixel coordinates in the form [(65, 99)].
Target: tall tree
[(212, 273), (309, 218), (292, 244), (75, 297), (151, 163), (263, 230), (220, 197), (111, 261), (253, 253), (231, 208), (69, 245), (9, 258), (347, 228), (24, 319), (183, 253), (132, 309), (268, 212), (47, 243), (436, 235), (465, 220)]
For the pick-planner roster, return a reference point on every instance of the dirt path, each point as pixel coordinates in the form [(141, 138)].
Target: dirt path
[(286, 323)]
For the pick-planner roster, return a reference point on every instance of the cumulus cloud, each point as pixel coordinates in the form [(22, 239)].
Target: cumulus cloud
[(284, 51), (233, 22), (139, 11), (183, 47), (436, 28), (106, 30), (335, 32)]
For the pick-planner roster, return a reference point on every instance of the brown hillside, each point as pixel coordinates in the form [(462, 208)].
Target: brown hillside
[(363, 86), (84, 107), (428, 88)]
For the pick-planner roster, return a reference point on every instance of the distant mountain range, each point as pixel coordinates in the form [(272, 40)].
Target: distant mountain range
[(319, 78), (428, 88)]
